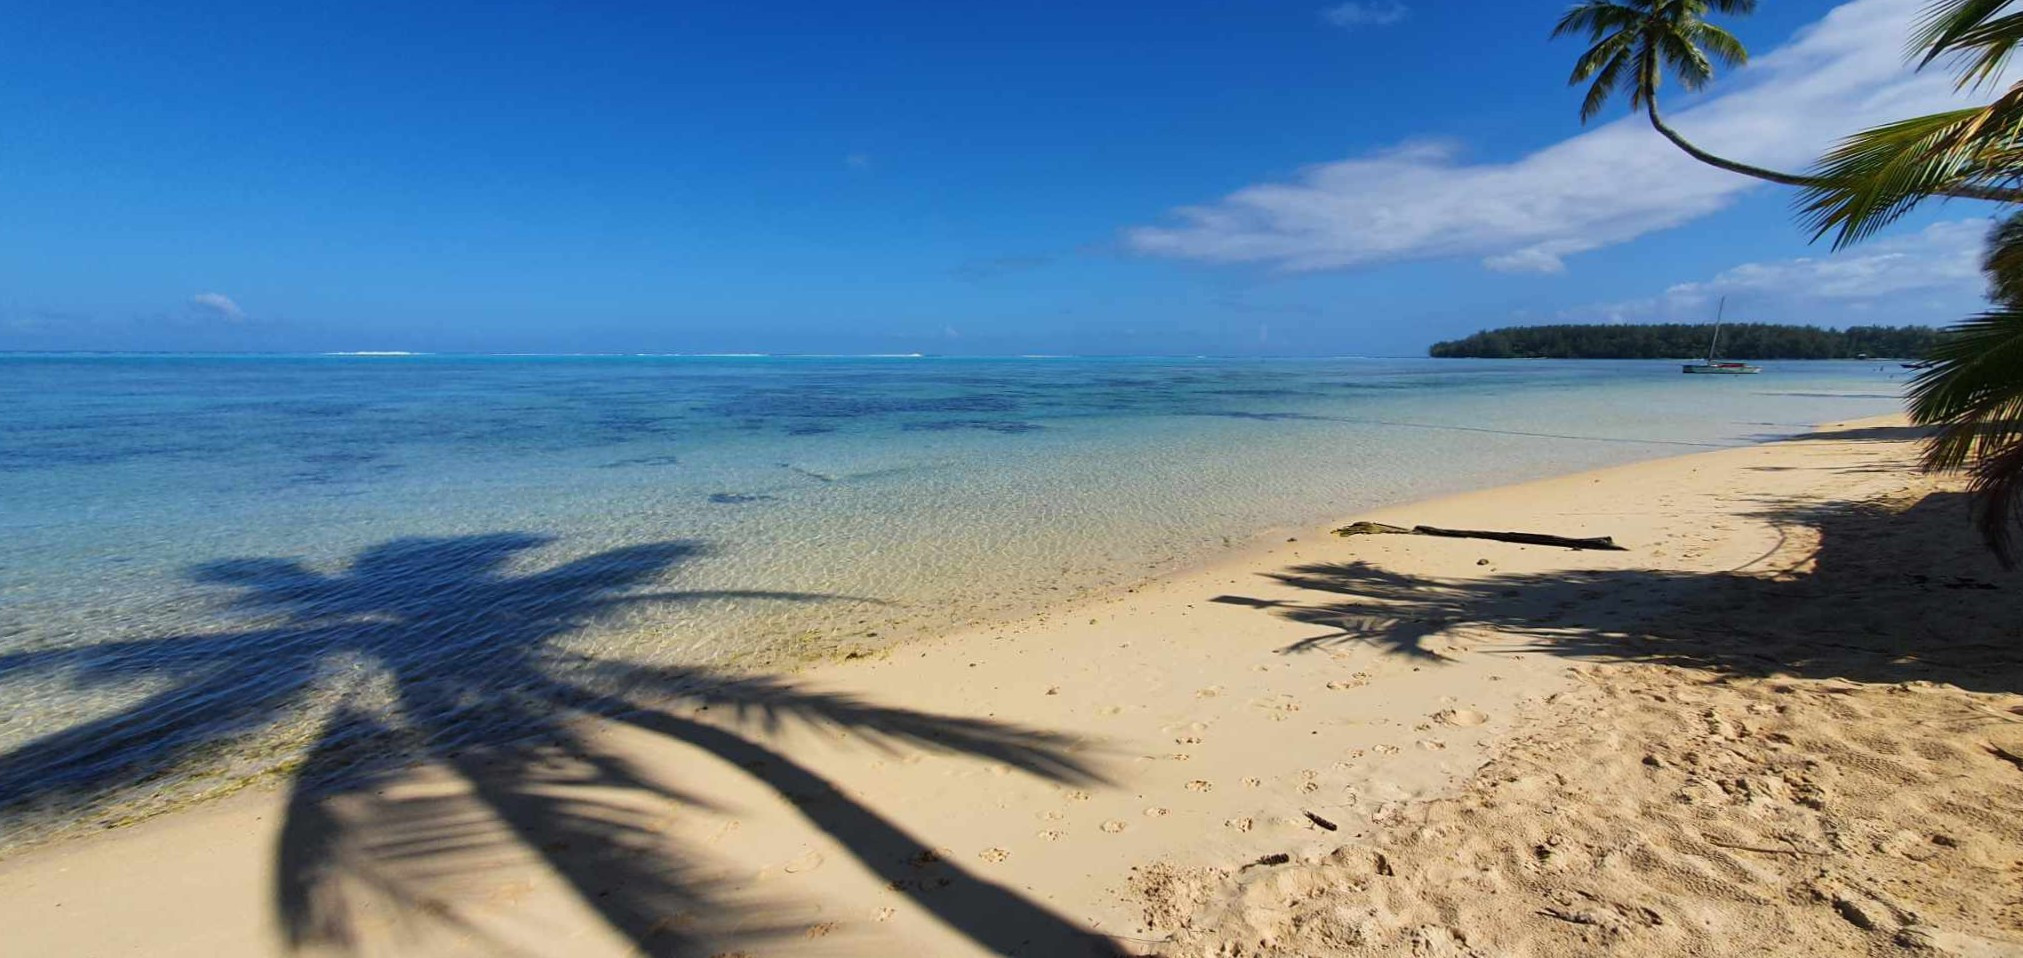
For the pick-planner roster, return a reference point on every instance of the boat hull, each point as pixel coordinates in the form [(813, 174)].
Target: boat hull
[(1719, 369)]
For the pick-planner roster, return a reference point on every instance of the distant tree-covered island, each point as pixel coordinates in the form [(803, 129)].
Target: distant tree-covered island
[(1684, 340)]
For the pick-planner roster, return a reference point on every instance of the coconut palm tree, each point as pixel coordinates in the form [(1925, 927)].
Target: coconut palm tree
[(1636, 42)]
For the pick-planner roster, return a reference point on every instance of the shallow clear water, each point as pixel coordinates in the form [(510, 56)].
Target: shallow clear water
[(202, 557)]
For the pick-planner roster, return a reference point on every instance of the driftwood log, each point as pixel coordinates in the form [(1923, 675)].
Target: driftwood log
[(1524, 538)]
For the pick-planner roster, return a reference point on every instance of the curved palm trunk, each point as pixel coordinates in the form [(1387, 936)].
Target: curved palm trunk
[(1969, 192), (1657, 123)]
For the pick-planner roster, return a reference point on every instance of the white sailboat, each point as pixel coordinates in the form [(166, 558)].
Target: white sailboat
[(1712, 365)]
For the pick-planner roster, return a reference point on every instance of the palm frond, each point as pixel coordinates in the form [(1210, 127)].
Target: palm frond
[(1876, 176), (1976, 31), (2002, 263), (1604, 87), (1721, 44), (1595, 18), (1598, 56), (1645, 89), (1973, 390), (1998, 500), (1687, 62)]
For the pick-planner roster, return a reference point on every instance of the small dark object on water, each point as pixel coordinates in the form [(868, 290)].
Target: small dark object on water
[(1526, 538), (1316, 819), (737, 498)]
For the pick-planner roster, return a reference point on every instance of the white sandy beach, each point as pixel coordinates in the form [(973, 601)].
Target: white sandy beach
[(1783, 720)]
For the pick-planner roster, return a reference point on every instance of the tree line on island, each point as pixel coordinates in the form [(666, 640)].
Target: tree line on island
[(1685, 340)]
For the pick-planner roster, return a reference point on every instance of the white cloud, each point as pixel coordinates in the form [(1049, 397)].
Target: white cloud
[(1376, 13), (857, 161), (1610, 185), (1929, 276), (219, 304)]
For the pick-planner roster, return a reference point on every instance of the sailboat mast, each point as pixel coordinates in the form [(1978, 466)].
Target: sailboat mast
[(1716, 341)]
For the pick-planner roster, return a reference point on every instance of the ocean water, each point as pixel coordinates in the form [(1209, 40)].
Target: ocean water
[(215, 566)]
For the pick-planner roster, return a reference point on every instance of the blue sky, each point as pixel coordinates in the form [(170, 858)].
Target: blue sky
[(1205, 177)]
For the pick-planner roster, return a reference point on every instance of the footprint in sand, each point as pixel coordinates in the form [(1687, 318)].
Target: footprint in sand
[(820, 931), (1240, 824), (1460, 718), (1076, 795), (993, 855), (1053, 836), (1250, 782), (1049, 816), (1432, 744), (1113, 826), (882, 914), (1309, 788), (806, 863), (1200, 785), (1188, 740), (1387, 750), (1208, 693), (1155, 812)]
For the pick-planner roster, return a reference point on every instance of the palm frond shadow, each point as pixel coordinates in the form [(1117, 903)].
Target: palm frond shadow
[(473, 684), (1873, 592)]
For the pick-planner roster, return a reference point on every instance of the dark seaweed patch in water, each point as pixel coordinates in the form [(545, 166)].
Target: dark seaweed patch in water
[(314, 410), (1270, 416), (623, 427), (641, 461), (328, 468), (831, 404), (1260, 393), (738, 498), (340, 458), (985, 425)]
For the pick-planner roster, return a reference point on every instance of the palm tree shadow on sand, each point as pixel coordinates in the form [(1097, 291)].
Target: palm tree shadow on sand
[(1880, 592), (431, 650)]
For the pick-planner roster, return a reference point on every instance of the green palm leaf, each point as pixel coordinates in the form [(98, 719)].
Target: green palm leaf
[(1974, 30), (1876, 176), (1973, 391)]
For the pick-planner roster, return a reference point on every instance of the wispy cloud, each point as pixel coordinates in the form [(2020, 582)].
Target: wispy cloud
[(857, 161), (218, 304), (1929, 276), (1422, 199), (1372, 13)]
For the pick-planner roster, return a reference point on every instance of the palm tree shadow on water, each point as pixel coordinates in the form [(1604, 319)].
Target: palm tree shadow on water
[(432, 650)]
